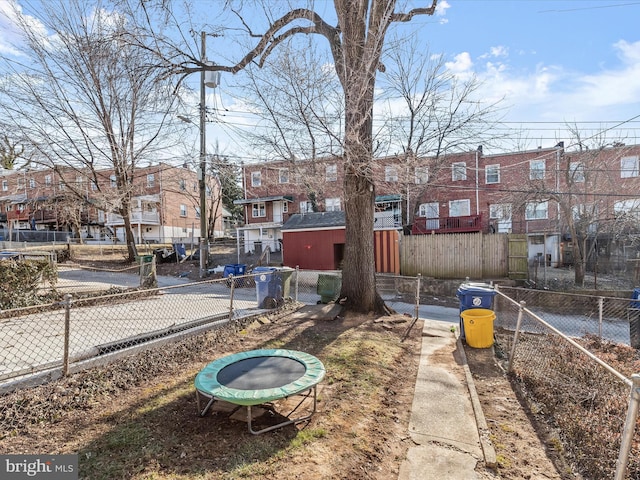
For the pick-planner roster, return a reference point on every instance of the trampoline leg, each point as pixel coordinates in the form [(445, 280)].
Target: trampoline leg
[(288, 422), (204, 411)]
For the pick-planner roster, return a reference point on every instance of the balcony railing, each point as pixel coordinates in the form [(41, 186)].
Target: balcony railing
[(387, 220), (469, 223), (144, 218), (19, 214)]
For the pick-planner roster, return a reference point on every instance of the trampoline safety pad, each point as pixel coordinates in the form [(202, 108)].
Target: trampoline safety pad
[(260, 376)]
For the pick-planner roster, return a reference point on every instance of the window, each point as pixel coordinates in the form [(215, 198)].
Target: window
[(629, 167), (536, 211), (429, 210), (422, 175), (459, 208), (586, 215), (94, 186), (47, 180), (258, 210), (283, 175), (183, 210), (5, 185), (536, 170), (20, 181), (331, 174), (576, 172), (197, 212), (332, 204), (492, 174), (390, 173), (183, 185), (500, 211), (32, 183), (458, 171), (61, 185), (79, 181), (630, 206), (151, 180), (112, 180), (256, 179), (306, 207)]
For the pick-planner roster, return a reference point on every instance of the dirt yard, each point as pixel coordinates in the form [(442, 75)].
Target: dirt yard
[(136, 418)]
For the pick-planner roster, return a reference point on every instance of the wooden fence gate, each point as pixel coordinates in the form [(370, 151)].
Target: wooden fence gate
[(457, 255)]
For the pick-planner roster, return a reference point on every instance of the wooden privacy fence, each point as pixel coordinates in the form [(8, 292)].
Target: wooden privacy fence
[(461, 255)]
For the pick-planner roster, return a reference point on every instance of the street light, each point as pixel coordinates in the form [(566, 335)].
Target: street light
[(207, 79)]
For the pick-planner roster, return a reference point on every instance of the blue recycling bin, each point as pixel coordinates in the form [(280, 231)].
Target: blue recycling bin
[(635, 296), (268, 287), (235, 269), (474, 295)]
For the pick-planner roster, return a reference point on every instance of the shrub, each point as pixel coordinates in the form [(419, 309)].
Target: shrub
[(20, 281)]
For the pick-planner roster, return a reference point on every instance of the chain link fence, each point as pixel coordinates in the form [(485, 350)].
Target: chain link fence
[(567, 353), (80, 332)]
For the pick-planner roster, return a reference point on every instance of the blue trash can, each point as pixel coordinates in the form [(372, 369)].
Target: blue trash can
[(633, 316), (474, 295), (268, 287), (235, 269)]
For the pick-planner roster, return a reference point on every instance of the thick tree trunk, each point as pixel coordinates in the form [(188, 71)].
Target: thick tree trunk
[(132, 251), (358, 273), (579, 261)]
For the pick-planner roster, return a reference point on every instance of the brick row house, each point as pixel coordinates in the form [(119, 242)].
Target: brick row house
[(164, 204), (549, 195)]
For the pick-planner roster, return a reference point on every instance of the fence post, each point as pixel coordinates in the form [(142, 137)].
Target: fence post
[(417, 313), (296, 283), (600, 314), (415, 319), (516, 334), (629, 427), (67, 333), (231, 292)]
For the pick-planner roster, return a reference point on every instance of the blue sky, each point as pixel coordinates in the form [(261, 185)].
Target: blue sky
[(553, 62)]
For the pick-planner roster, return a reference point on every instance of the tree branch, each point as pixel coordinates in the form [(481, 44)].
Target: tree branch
[(406, 17)]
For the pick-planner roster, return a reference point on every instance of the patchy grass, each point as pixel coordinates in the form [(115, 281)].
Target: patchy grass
[(147, 427)]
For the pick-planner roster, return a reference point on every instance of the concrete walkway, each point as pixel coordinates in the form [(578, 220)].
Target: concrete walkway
[(447, 426)]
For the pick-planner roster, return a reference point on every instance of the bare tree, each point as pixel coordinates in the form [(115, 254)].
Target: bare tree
[(427, 112), (10, 152), (580, 185), (356, 42), (86, 99)]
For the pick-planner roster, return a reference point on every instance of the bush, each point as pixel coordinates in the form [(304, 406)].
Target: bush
[(20, 281)]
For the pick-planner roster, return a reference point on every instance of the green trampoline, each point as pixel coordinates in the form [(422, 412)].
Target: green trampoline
[(259, 377)]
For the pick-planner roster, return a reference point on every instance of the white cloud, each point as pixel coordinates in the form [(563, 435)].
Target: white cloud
[(462, 64), (10, 10), (629, 53), (441, 8)]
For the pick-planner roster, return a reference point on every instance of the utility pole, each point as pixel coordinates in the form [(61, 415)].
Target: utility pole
[(204, 238)]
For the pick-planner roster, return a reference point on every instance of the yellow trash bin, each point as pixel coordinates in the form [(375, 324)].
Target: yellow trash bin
[(478, 327)]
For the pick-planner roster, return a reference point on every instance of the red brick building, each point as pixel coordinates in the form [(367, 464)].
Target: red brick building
[(548, 194), (165, 205)]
